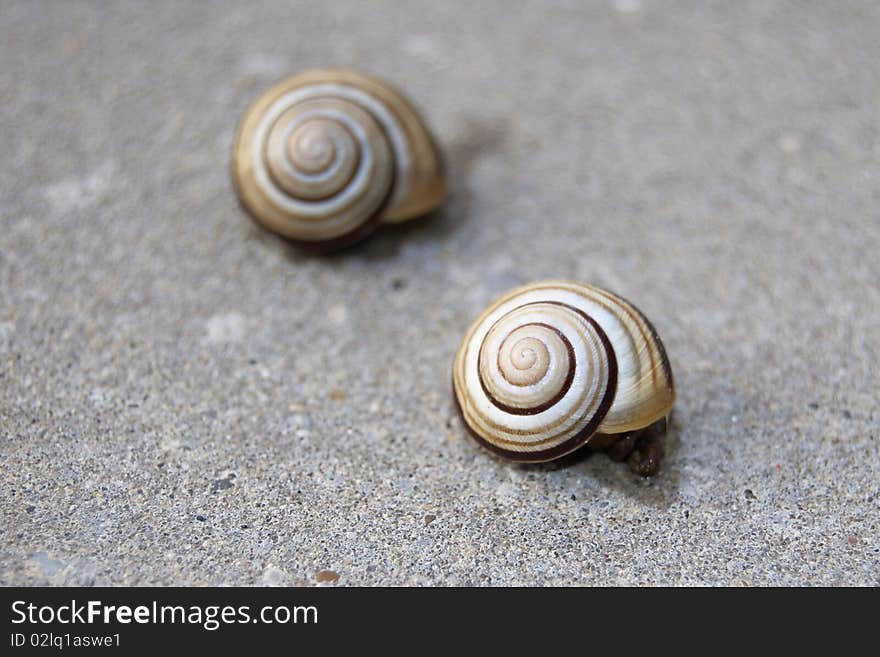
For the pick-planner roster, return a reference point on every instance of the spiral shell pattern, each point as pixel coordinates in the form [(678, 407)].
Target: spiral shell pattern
[(549, 365), (325, 156)]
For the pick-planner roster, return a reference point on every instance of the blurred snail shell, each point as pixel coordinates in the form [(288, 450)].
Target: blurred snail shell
[(548, 366), (325, 156)]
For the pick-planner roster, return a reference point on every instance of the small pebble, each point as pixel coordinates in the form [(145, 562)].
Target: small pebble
[(338, 314), (790, 143)]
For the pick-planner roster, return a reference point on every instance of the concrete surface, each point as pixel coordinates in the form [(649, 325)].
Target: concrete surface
[(184, 399)]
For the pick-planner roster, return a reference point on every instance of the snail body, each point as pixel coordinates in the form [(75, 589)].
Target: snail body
[(553, 366), (326, 156)]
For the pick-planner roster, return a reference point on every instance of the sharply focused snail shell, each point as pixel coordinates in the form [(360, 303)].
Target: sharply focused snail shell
[(549, 365), (325, 156)]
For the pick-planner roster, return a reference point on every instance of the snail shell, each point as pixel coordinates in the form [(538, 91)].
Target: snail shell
[(549, 365), (325, 156)]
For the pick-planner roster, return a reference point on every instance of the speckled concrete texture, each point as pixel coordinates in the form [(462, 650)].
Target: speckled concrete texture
[(185, 399)]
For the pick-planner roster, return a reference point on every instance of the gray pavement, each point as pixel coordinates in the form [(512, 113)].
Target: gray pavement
[(185, 399)]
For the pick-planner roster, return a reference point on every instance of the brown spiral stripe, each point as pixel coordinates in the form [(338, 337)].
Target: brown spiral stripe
[(540, 371), (532, 410), (325, 156), (540, 416)]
